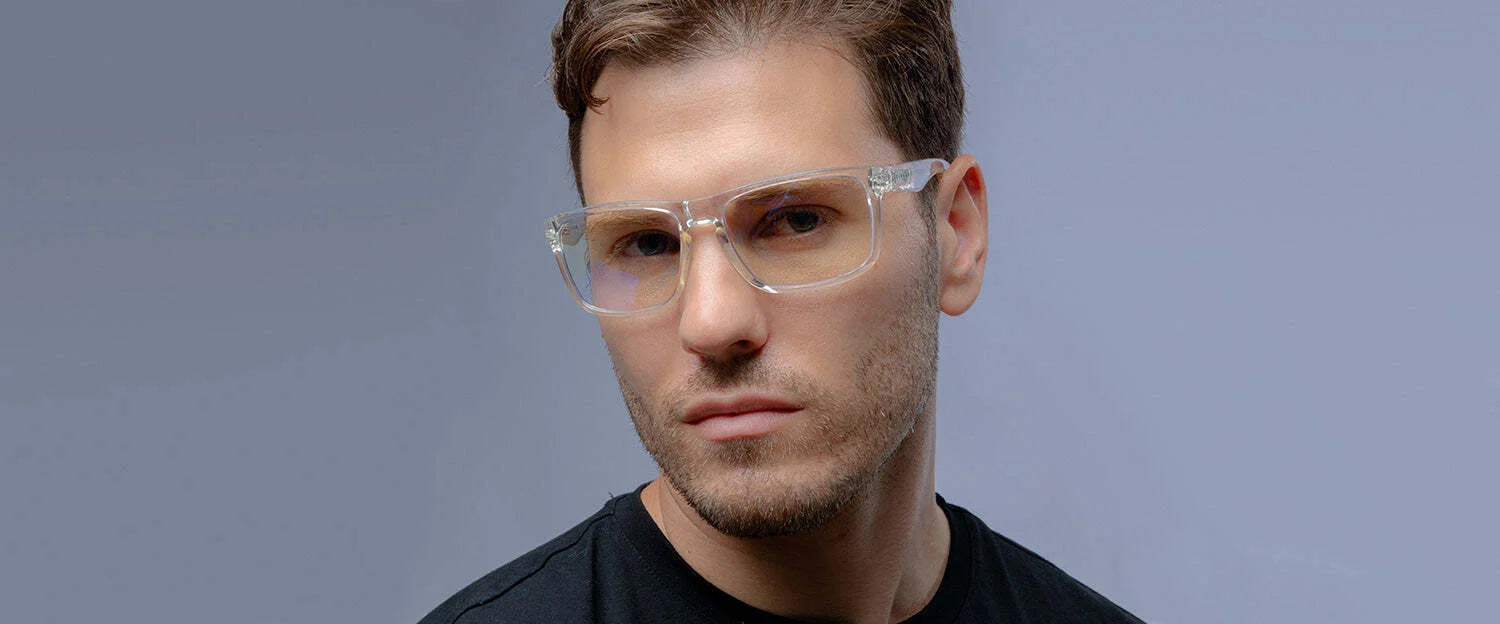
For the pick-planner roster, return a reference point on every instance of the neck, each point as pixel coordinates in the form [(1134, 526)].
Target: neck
[(880, 560)]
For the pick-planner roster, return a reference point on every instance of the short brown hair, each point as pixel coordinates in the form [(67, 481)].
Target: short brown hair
[(905, 49)]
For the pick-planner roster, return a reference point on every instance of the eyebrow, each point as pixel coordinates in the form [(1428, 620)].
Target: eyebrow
[(798, 189), (632, 218)]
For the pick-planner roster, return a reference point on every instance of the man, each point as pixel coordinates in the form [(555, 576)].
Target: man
[(774, 336)]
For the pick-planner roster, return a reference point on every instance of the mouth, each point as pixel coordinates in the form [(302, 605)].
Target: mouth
[(739, 417)]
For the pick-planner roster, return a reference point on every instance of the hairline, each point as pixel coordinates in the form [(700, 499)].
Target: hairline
[(822, 37)]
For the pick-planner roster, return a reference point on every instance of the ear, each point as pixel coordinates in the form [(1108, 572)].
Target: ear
[(963, 234)]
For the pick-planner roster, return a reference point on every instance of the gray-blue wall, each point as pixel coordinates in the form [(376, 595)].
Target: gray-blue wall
[(280, 340)]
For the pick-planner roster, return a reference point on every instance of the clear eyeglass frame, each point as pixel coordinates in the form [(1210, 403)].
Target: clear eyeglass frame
[(910, 177)]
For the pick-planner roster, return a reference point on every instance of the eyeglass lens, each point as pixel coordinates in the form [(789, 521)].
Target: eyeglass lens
[(787, 234)]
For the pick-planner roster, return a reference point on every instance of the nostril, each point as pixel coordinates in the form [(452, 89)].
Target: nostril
[(731, 363)]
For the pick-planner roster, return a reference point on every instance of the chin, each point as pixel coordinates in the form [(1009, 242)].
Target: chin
[(767, 501)]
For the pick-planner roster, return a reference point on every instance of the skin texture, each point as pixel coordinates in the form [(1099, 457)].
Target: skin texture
[(830, 517)]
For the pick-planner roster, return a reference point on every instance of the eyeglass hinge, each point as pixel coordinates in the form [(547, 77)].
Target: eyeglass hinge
[(883, 179), (559, 234)]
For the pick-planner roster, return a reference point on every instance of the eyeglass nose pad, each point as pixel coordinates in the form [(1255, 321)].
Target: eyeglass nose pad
[(732, 253)]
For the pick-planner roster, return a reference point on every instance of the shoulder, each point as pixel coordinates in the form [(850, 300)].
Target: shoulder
[(1007, 572), (533, 586)]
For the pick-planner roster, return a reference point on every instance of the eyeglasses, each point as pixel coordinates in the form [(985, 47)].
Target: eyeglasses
[(790, 232)]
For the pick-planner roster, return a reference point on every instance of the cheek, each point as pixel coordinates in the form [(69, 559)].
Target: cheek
[(641, 350), (829, 331), (879, 306)]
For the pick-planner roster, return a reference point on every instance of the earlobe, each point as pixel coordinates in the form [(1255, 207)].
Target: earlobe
[(963, 232)]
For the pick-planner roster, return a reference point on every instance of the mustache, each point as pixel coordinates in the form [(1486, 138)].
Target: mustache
[(725, 373)]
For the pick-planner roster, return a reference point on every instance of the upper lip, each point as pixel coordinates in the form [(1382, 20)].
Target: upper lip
[(737, 404)]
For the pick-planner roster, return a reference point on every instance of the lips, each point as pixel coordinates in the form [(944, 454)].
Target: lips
[(733, 418), (704, 409)]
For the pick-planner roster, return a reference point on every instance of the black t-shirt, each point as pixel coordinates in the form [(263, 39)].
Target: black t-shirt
[(618, 567)]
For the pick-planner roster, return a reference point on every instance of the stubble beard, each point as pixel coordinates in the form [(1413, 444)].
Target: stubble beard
[(742, 487)]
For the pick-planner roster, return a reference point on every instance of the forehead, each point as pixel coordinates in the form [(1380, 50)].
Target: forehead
[(690, 129)]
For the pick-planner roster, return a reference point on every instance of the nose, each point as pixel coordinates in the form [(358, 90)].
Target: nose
[(722, 317)]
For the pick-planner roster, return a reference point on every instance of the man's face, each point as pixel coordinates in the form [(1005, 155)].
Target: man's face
[(767, 412)]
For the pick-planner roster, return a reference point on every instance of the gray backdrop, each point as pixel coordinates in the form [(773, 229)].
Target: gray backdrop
[(281, 340)]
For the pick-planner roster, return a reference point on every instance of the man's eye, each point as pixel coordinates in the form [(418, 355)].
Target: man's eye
[(653, 243), (790, 221), (802, 220)]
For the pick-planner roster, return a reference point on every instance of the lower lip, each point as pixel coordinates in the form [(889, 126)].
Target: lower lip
[(739, 426)]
